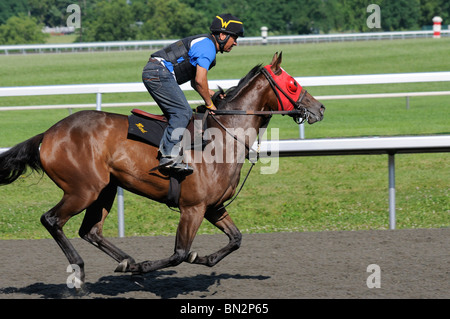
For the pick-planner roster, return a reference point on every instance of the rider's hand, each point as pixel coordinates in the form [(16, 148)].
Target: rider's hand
[(211, 107)]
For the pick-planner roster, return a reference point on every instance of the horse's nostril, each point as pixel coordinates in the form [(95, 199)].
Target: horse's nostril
[(322, 109)]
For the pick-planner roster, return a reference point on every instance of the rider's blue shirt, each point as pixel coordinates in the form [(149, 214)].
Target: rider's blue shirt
[(202, 52)]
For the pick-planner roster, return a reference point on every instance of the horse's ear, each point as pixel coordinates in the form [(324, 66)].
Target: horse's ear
[(274, 59), (276, 62)]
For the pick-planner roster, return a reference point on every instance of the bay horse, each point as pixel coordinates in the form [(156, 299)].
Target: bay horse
[(88, 155)]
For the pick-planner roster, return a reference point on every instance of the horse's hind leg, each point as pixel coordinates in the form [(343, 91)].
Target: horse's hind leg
[(54, 221), (91, 229), (219, 218)]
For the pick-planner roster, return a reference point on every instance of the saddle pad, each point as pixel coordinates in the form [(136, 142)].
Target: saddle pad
[(146, 129), (149, 128)]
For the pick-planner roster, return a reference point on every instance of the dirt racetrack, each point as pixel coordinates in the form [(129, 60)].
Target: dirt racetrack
[(413, 264)]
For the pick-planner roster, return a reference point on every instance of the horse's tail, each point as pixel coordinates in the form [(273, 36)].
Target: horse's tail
[(15, 161)]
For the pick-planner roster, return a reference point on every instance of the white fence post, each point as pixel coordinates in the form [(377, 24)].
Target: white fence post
[(264, 35), (120, 212), (301, 129), (391, 191), (99, 102), (437, 27)]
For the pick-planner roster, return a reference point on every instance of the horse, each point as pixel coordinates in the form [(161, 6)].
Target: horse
[(88, 155)]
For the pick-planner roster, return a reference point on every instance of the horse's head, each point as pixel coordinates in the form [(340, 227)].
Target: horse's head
[(290, 95)]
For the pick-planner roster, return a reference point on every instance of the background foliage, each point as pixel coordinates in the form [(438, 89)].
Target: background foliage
[(109, 20)]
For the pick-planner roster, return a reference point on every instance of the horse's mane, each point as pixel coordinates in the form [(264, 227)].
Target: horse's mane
[(232, 92)]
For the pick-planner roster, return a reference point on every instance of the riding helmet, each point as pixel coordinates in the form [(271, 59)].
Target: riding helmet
[(227, 23)]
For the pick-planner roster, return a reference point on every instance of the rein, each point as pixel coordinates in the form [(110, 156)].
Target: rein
[(249, 148), (241, 112)]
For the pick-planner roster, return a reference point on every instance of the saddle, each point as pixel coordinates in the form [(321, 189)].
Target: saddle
[(149, 128)]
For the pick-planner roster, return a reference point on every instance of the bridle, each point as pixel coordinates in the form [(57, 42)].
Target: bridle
[(296, 104), (298, 113)]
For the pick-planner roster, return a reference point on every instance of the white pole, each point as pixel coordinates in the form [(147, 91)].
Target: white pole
[(120, 212), (99, 102), (391, 191), (301, 128)]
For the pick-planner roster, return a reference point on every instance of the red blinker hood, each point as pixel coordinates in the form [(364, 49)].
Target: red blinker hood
[(289, 86)]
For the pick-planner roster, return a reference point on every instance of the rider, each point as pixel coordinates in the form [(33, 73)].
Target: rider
[(188, 59)]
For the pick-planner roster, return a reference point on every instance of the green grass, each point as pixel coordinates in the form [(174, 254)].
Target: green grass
[(307, 193)]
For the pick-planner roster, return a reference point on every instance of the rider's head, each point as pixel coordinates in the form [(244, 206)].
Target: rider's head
[(225, 26)]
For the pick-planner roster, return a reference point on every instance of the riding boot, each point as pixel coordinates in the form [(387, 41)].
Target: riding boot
[(175, 165)]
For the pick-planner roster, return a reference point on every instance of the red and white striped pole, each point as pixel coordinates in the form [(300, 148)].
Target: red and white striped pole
[(437, 27)]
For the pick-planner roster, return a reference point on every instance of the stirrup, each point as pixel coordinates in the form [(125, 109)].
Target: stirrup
[(173, 165)]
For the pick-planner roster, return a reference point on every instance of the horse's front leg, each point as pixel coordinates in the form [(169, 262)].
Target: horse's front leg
[(219, 218), (190, 220)]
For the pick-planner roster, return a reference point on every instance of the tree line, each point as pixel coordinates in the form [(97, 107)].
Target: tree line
[(119, 20)]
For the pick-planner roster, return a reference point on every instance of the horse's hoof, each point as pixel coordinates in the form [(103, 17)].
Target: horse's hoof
[(192, 257), (122, 266)]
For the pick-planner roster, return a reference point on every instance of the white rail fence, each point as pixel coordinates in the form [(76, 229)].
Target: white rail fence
[(347, 146), (152, 44), (362, 146), (99, 89)]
